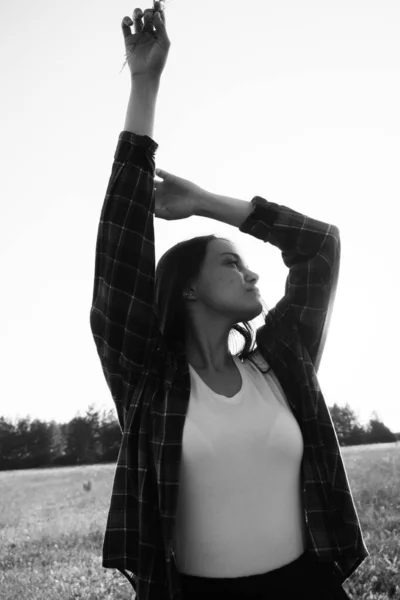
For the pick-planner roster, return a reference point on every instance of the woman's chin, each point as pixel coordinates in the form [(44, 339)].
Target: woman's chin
[(255, 311)]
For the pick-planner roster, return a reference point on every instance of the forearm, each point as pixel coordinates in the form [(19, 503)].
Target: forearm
[(140, 115), (223, 208)]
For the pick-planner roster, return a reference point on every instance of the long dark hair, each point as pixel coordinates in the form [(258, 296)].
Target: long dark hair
[(175, 270)]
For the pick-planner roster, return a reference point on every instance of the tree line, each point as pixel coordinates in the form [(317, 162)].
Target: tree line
[(96, 438)]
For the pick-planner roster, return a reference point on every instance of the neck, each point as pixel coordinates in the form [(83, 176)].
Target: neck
[(208, 349)]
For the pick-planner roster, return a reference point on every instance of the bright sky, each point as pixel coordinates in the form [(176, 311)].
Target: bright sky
[(297, 102)]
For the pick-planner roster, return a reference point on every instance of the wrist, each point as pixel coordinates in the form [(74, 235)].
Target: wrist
[(204, 204), (232, 211), (145, 81)]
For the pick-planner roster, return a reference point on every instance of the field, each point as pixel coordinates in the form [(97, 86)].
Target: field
[(51, 530)]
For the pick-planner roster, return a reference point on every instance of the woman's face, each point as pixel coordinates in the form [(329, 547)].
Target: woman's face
[(226, 284)]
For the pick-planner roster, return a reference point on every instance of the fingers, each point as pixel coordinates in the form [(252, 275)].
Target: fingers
[(137, 20), (148, 20), (147, 17), (126, 26), (137, 23), (160, 7)]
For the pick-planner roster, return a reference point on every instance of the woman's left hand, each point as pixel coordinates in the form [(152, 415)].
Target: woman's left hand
[(176, 198)]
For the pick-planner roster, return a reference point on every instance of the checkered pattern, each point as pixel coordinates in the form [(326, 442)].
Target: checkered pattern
[(150, 381)]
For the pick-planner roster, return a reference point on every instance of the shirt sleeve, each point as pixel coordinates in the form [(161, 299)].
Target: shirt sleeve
[(311, 251), (122, 316)]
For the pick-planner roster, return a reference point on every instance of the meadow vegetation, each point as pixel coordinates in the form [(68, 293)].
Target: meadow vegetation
[(52, 525)]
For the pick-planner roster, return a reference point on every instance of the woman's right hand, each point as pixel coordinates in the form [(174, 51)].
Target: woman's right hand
[(147, 49)]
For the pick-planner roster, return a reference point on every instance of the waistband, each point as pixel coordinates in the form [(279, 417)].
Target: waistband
[(301, 569)]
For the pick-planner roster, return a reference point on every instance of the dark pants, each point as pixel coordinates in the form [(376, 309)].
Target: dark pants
[(304, 578)]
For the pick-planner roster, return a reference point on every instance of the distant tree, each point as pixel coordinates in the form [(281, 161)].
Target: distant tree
[(7, 442), (357, 437), (27, 444), (58, 440), (350, 432), (40, 440), (93, 419), (64, 434), (378, 433), (110, 436), (78, 440), (21, 440), (345, 421), (6, 431)]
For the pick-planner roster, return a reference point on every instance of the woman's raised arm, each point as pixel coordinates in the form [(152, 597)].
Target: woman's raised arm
[(122, 314)]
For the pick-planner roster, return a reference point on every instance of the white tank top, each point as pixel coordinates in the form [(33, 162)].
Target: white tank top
[(239, 504)]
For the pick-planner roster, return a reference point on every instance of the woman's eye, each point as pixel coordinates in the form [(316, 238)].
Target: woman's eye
[(235, 262)]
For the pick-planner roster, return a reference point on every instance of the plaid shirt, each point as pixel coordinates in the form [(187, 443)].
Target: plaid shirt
[(150, 382)]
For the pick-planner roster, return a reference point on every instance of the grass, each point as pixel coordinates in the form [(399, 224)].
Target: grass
[(51, 530)]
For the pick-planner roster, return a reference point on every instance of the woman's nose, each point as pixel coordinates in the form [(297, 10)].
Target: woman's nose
[(253, 277)]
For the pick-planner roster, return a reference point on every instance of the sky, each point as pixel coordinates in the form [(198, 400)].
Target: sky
[(296, 102)]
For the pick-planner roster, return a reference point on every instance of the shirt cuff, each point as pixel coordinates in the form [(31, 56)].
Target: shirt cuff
[(261, 219), (130, 143)]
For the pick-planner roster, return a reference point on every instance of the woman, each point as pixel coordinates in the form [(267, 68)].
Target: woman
[(229, 481)]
